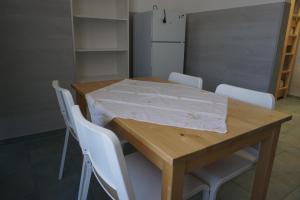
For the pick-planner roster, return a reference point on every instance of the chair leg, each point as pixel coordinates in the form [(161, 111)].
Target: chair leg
[(63, 156), (213, 193), (205, 195), (86, 182), (82, 178)]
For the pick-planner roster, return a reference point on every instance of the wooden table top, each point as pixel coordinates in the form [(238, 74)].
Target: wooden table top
[(173, 143), (83, 88)]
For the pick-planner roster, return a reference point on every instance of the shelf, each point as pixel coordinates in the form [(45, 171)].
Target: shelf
[(290, 41), (294, 24), (280, 94), (93, 66), (293, 35), (289, 54), (100, 34), (100, 18), (101, 39), (109, 9), (286, 71), (283, 88), (290, 51), (100, 49)]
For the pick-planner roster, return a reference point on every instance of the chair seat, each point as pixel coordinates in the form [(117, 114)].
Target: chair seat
[(225, 169), (146, 179)]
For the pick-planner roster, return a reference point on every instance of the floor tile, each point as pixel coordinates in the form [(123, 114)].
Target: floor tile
[(245, 180), (13, 162), (286, 169), (29, 167), (295, 195), (231, 191), (17, 185), (96, 192), (277, 189)]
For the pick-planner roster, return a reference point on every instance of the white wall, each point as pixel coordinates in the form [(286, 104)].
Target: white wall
[(190, 6), (146, 5)]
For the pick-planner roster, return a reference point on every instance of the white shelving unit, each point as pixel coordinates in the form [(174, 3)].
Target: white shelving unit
[(101, 39)]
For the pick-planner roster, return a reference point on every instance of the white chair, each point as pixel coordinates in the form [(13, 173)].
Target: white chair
[(124, 178), (64, 101), (262, 99), (186, 80), (224, 170), (68, 102)]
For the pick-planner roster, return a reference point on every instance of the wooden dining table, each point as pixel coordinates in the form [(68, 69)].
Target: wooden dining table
[(177, 151)]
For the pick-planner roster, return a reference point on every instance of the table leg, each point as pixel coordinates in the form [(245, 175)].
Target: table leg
[(264, 165), (172, 181), (82, 103)]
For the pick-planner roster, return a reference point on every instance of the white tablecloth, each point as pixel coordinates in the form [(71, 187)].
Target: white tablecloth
[(160, 103)]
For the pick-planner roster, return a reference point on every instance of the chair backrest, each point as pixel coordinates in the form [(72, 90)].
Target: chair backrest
[(262, 99), (106, 155), (186, 80), (65, 101)]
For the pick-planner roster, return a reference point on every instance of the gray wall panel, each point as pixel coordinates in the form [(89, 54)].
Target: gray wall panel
[(36, 40), (238, 46), (36, 47)]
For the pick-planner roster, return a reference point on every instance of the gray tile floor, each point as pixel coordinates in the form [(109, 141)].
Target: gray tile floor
[(29, 167)]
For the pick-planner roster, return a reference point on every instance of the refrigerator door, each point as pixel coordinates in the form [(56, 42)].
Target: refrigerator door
[(172, 29), (167, 58)]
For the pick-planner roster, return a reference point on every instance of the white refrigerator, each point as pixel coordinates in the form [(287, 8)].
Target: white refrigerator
[(158, 43)]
